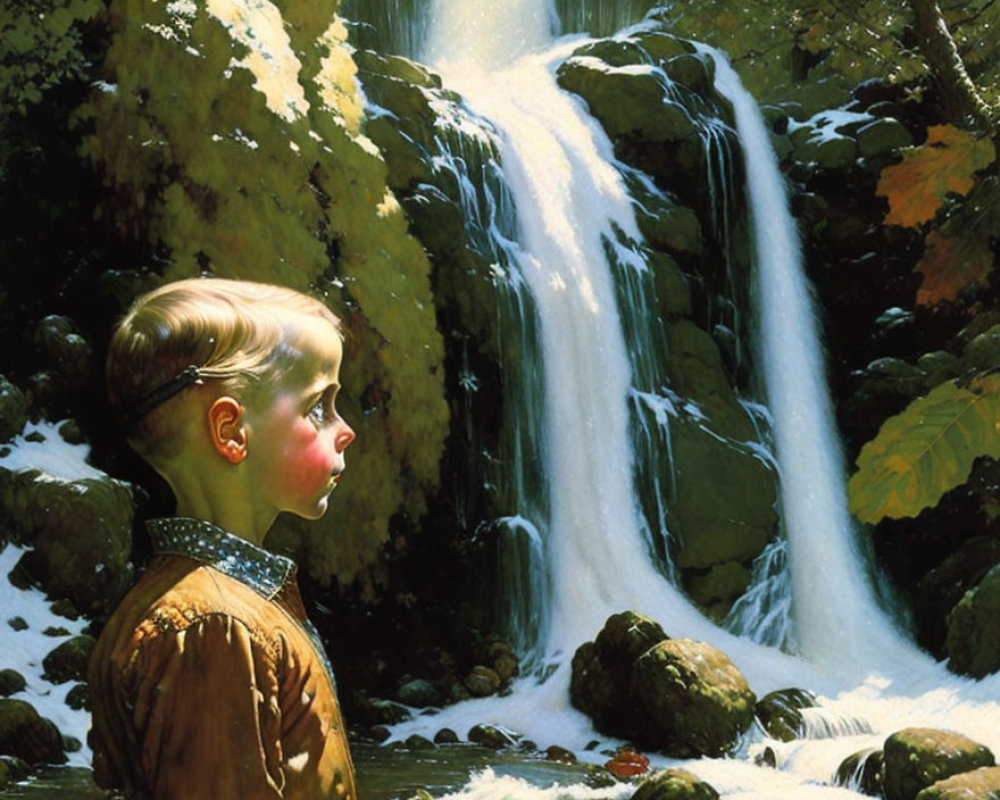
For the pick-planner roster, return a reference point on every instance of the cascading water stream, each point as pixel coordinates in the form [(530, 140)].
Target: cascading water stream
[(838, 620), (573, 210)]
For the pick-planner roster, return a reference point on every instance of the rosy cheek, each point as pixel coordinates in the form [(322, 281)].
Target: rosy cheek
[(308, 463)]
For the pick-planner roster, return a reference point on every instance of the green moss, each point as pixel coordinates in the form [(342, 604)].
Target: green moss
[(241, 156)]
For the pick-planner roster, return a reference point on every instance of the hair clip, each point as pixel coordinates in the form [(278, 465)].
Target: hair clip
[(186, 377)]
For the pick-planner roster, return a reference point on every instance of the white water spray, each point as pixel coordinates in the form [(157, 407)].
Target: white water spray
[(569, 199), (839, 623)]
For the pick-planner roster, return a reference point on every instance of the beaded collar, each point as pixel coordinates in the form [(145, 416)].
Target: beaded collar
[(253, 566)]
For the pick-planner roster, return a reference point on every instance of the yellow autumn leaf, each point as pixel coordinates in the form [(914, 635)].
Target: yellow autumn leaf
[(926, 450)]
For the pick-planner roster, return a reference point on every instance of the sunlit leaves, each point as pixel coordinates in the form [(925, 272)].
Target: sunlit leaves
[(945, 163), (926, 450)]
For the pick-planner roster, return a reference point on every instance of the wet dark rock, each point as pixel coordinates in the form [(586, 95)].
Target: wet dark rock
[(492, 736), (78, 698), (13, 410), (674, 784), (72, 744), (664, 221), (973, 638), (626, 103), (883, 136), (68, 661), (695, 701), (678, 696), (65, 609), (56, 631), (827, 150), (11, 682), (915, 758), (977, 784), (662, 46), (614, 52), (602, 671), (80, 533), (503, 661), (376, 734), (68, 352), (559, 754), (418, 692), (18, 623), (27, 735), (418, 742), (672, 291), (376, 711), (720, 582), (4, 776), (941, 589), (693, 70), (17, 768), (863, 771), (446, 736), (482, 681), (766, 758), (780, 713)]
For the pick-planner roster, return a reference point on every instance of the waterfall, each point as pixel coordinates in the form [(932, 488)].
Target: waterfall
[(580, 256), (839, 622)]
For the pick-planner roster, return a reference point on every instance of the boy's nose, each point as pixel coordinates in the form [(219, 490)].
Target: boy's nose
[(344, 437)]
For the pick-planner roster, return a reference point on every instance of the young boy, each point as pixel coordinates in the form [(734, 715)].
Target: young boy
[(209, 682)]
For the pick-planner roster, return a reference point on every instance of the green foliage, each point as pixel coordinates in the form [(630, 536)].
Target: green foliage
[(41, 47), (231, 145), (927, 450), (814, 52)]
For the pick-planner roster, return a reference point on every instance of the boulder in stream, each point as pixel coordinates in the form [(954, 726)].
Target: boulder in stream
[(681, 697), (780, 712), (915, 758), (674, 784), (977, 784), (27, 735)]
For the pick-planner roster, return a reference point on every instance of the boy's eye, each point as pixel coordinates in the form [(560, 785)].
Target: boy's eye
[(318, 413)]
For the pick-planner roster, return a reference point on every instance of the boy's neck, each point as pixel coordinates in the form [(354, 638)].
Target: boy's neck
[(237, 521)]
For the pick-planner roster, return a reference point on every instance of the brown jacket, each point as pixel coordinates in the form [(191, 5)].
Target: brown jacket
[(209, 682)]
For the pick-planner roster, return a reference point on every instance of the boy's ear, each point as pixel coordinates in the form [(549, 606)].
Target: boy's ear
[(225, 424)]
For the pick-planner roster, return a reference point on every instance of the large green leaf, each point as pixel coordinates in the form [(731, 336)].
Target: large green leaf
[(926, 450)]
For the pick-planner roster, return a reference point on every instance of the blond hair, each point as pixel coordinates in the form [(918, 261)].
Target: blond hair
[(235, 332)]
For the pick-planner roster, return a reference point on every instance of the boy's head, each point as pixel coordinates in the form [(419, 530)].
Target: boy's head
[(242, 337)]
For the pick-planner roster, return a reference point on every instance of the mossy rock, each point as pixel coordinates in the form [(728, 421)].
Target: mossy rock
[(626, 103), (13, 410), (665, 222), (722, 583), (780, 712), (976, 784), (973, 639), (693, 70), (603, 672), (915, 758), (615, 52), (80, 533), (68, 661), (11, 682), (673, 294), (27, 735), (694, 699), (863, 771), (883, 136), (662, 45), (396, 67), (674, 784)]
